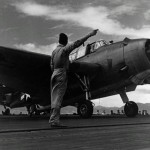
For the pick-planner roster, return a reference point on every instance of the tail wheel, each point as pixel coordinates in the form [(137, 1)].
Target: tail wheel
[(85, 109), (131, 109)]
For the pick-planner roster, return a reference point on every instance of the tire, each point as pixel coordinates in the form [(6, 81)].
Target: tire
[(131, 109), (85, 109), (31, 110), (6, 112)]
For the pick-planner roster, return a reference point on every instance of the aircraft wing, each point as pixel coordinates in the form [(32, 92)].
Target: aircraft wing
[(25, 71), (30, 72)]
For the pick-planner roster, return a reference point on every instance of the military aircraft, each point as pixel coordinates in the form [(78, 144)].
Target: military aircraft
[(97, 70)]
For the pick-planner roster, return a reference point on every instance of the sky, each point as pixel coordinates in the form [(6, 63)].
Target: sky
[(34, 25)]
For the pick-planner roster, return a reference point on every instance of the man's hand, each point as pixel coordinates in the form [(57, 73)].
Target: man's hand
[(94, 32)]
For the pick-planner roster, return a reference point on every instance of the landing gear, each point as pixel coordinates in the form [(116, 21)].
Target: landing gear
[(36, 109), (6, 112), (31, 110), (130, 108), (85, 109)]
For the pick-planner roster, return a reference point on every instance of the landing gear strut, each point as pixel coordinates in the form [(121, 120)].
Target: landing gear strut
[(85, 108), (130, 108)]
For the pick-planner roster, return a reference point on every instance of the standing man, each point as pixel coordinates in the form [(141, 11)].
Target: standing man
[(59, 66)]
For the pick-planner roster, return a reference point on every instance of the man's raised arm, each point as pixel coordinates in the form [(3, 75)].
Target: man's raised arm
[(70, 47)]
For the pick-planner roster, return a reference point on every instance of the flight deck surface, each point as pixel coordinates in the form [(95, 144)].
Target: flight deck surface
[(99, 133)]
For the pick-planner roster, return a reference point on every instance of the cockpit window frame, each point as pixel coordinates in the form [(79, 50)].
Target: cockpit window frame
[(90, 48)]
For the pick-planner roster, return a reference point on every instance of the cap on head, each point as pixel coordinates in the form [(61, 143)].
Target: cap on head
[(63, 39)]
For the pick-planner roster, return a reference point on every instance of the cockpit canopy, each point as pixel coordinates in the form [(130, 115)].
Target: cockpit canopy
[(84, 50)]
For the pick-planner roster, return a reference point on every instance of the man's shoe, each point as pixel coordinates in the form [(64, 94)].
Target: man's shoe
[(54, 125)]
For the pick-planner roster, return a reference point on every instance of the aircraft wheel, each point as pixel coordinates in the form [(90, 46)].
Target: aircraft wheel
[(37, 113), (131, 109), (6, 112), (85, 109), (31, 110)]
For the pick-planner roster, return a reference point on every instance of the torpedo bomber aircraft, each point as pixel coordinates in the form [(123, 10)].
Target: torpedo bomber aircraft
[(97, 70)]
